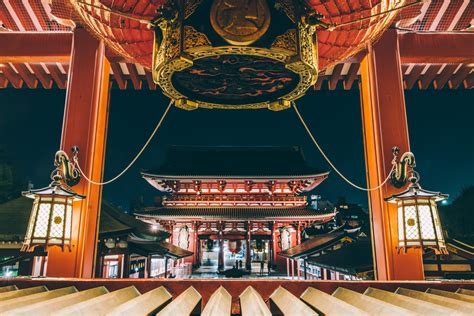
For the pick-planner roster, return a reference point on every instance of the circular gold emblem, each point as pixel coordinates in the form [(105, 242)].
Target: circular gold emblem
[(240, 22), (57, 220), (411, 222)]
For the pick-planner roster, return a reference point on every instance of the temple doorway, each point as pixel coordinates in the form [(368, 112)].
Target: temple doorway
[(234, 254), (260, 255), (209, 254)]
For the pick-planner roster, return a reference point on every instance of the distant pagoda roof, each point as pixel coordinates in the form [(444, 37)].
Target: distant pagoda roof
[(226, 161), (15, 215), (235, 213), (359, 252)]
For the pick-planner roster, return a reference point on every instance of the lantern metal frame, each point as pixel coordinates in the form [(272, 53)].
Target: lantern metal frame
[(50, 221), (421, 228)]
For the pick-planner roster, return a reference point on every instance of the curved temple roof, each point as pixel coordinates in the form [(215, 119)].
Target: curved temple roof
[(234, 162)]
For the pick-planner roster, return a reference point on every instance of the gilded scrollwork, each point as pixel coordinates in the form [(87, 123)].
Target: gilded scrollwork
[(286, 41), (193, 38), (182, 49)]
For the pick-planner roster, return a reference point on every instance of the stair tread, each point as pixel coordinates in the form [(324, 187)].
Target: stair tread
[(184, 304), (144, 304), (44, 308), (102, 304), (369, 304), (329, 305), (22, 292), (8, 288), (465, 292), (456, 296), (220, 303), (289, 304), (460, 306), (252, 303), (409, 303), (35, 298)]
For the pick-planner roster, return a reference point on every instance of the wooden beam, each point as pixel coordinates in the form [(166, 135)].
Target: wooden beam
[(66, 68), (430, 15), (459, 77), (427, 78), (3, 81), (414, 47), (149, 80), (466, 18), (12, 76), (26, 75), (35, 47), (319, 82), (22, 14), (429, 48), (121, 82), (351, 76), (413, 76), (444, 76), (137, 83), (385, 125), (6, 18), (450, 14), (469, 82), (335, 76), (85, 125), (41, 15), (58, 77), (42, 76)]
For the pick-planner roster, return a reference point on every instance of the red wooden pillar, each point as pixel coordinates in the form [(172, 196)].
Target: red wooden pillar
[(274, 245), (195, 248), (221, 262), (84, 125), (384, 126), (248, 257)]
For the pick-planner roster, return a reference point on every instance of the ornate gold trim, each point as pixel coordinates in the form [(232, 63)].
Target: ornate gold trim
[(297, 49)]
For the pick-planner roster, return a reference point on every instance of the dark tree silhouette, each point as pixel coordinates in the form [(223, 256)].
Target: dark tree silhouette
[(457, 218)]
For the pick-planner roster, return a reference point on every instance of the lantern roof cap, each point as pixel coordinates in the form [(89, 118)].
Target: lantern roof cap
[(415, 191), (55, 189)]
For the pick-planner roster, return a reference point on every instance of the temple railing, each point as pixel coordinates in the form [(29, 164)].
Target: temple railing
[(236, 296)]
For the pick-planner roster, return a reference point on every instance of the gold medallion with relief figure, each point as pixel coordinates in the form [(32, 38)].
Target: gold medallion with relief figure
[(240, 22)]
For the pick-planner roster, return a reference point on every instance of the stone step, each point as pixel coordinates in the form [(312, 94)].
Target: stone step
[(27, 300), (102, 304), (48, 307), (288, 303), (409, 303), (369, 304), (219, 304), (327, 304), (23, 292), (456, 296), (252, 304), (465, 292), (145, 304), (187, 303), (8, 288), (463, 307)]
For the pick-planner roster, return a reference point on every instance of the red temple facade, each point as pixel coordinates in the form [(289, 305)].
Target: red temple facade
[(235, 206)]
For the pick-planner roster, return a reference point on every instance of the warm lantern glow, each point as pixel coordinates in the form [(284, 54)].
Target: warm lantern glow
[(51, 217), (418, 220)]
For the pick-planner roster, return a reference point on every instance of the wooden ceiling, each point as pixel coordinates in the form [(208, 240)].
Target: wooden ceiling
[(435, 17)]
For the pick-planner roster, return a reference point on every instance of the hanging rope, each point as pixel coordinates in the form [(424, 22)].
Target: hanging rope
[(329, 161), (76, 161)]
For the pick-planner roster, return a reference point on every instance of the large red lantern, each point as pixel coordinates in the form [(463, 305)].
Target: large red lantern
[(234, 246), (236, 54)]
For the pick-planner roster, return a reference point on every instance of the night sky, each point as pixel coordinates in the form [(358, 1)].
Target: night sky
[(441, 135)]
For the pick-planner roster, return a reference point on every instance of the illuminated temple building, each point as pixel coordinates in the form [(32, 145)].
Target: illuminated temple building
[(222, 202), (232, 207)]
